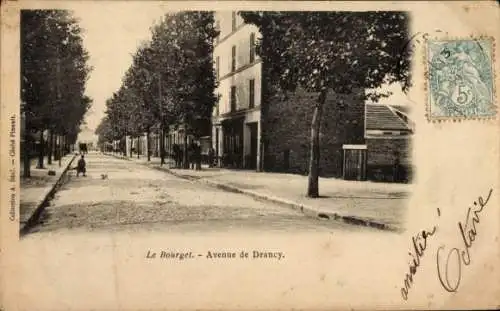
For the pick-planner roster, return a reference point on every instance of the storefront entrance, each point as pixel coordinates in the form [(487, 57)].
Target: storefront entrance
[(233, 143), (251, 161)]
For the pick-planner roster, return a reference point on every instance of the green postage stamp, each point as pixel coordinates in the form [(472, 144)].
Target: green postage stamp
[(461, 83)]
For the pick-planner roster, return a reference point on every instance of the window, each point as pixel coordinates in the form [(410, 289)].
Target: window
[(233, 58), (217, 66), (251, 93), (233, 20), (252, 47), (233, 98)]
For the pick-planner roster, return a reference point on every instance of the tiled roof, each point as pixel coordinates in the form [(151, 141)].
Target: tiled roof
[(382, 117)]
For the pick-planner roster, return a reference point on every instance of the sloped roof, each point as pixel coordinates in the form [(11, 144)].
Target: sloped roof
[(384, 117), (403, 108)]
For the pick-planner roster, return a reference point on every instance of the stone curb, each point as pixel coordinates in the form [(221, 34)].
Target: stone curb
[(306, 210), (44, 202)]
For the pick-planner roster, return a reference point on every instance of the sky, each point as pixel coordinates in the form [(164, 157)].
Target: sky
[(111, 39)]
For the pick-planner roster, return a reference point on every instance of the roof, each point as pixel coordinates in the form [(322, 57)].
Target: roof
[(403, 108), (385, 117)]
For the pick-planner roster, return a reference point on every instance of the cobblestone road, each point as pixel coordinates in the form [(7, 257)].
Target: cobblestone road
[(137, 197)]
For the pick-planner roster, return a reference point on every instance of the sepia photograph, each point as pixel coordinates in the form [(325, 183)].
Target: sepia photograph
[(238, 119), (166, 155)]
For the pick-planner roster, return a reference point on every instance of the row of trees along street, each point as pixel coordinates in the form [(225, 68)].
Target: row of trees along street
[(172, 81), (54, 71)]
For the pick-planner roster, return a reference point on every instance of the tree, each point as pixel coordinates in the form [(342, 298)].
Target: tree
[(54, 71), (164, 43), (104, 133), (141, 80), (330, 51), (195, 84), (171, 80)]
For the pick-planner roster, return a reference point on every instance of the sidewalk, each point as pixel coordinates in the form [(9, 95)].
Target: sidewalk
[(36, 189), (380, 205)]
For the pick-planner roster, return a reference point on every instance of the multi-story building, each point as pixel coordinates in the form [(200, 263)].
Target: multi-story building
[(271, 136), (236, 128)]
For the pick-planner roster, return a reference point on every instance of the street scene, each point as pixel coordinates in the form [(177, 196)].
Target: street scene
[(215, 124), (118, 194), (225, 156), (209, 154)]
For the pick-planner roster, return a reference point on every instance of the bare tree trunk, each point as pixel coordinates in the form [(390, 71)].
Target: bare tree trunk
[(148, 149), (138, 146), (185, 159), (313, 180), (64, 145), (41, 153), (50, 147), (198, 155), (162, 144), (60, 149), (56, 148), (131, 140), (124, 150), (27, 152)]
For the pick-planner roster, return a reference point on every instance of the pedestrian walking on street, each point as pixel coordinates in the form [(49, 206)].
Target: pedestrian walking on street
[(192, 155), (81, 167), (211, 153), (181, 157), (176, 152), (197, 156)]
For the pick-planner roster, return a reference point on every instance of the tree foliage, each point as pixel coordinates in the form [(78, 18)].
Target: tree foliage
[(342, 51), (171, 80), (321, 51), (54, 71)]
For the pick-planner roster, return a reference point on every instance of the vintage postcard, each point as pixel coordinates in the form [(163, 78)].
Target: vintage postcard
[(260, 155)]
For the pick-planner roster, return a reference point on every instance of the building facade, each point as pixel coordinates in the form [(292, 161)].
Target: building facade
[(357, 140), (388, 134), (236, 119), (287, 131), (275, 135)]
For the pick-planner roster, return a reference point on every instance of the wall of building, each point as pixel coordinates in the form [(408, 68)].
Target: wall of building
[(241, 81), (246, 70), (382, 153), (224, 21), (287, 126)]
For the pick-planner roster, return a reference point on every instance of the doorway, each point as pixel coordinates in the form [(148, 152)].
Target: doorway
[(252, 163)]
